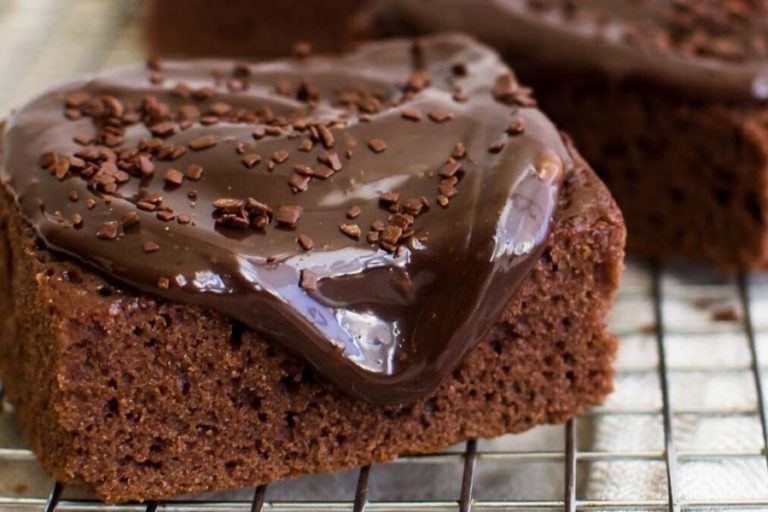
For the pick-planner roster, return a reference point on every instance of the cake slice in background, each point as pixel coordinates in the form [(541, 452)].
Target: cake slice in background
[(667, 100)]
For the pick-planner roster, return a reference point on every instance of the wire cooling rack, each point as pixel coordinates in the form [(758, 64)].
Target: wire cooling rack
[(685, 428)]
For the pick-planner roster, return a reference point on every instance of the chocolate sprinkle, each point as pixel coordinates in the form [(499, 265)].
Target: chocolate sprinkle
[(308, 280), (440, 116), (326, 136), (516, 127), (251, 160), (194, 172), (377, 145), (459, 151), (353, 212), (496, 147), (150, 247), (130, 220), (330, 159), (204, 142), (280, 156), (450, 169), (351, 230), (288, 215), (389, 197), (173, 178), (411, 114), (108, 230), (305, 242)]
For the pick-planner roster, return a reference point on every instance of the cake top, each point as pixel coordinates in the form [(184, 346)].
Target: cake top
[(704, 48), (373, 213)]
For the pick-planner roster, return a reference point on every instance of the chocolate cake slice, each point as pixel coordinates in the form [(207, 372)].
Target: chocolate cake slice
[(218, 274), (667, 99)]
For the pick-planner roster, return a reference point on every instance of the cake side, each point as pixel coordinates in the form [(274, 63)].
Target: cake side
[(690, 177), (136, 398)]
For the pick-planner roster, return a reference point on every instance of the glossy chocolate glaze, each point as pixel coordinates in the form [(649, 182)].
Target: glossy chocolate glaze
[(701, 49), (383, 326)]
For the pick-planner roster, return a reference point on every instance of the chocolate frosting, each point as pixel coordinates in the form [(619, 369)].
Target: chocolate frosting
[(384, 318), (700, 49)]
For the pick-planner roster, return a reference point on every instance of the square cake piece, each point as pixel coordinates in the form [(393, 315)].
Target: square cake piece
[(668, 100), (217, 274)]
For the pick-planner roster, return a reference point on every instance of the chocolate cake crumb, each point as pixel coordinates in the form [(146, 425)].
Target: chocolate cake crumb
[(725, 314)]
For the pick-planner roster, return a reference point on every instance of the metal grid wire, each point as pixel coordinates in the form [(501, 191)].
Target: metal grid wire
[(663, 317)]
